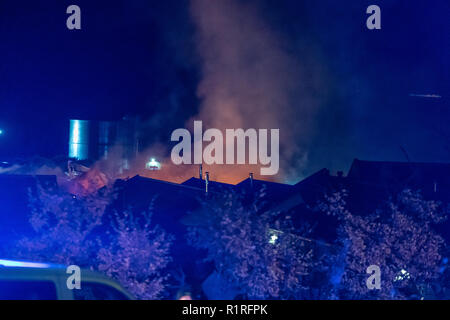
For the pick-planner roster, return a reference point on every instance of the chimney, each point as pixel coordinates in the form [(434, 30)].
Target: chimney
[(251, 179), (206, 181), (200, 172)]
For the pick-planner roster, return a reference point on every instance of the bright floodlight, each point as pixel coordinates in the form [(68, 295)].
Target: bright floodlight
[(1, 131), (153, 165), (273, 239)]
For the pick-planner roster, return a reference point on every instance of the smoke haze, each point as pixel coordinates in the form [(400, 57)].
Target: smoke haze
[(250, 79)]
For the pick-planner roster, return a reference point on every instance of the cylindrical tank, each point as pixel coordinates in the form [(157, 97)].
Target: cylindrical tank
[(79, 139), (94, 140), (106, 138), (127, 139)]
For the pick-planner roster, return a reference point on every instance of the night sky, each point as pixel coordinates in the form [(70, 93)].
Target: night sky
[(142, 58)]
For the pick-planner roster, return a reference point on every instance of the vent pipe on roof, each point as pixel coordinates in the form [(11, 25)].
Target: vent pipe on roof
[(200, 172), (251, 179), (206, 181)]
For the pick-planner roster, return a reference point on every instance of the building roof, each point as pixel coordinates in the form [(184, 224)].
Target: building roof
[(428, 177), (213, 186)]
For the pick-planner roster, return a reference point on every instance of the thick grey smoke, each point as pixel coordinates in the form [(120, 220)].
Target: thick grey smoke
[(250, 80)]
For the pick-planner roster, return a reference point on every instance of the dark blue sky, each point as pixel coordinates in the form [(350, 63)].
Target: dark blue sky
[(137, 57)]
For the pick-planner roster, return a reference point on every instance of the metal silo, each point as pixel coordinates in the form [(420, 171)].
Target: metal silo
[(127, 139), (79, 139), (107, 131)]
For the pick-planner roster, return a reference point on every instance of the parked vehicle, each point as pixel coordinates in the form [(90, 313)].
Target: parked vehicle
[(21, 280)]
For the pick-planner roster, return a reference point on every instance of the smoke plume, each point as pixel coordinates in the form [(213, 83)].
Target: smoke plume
[(250, 80)]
